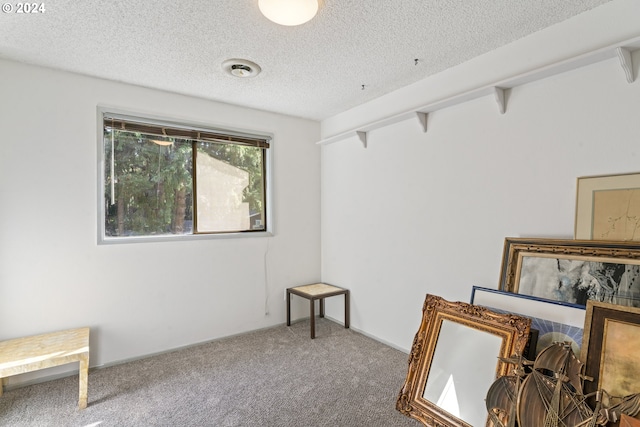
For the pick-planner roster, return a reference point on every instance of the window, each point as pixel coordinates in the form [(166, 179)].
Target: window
[(165, 179)]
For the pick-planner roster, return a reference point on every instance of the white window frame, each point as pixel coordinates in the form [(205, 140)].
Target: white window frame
[(104, 240)]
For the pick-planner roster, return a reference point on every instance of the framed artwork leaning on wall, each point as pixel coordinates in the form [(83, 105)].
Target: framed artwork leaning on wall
[(608, 207), (611, 344), (457, 353), (553, 320), (572, 271)]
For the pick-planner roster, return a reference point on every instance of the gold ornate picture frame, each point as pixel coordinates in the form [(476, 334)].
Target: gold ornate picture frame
[(455, 359), (572, 271), (608, 207)]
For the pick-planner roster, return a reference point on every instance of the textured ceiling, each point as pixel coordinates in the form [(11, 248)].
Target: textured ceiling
[(314, 70)]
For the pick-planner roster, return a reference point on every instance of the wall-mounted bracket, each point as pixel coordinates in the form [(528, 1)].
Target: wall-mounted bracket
[(499, 95), (626, 62), (422, 118), (363, 137)]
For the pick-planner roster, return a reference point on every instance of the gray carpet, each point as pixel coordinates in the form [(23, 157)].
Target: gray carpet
[(273, 377)]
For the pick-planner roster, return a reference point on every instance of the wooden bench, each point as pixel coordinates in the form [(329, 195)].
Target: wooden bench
[(21, 355)]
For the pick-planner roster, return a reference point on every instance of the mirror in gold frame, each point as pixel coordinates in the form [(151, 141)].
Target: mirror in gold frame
[(455, 358)]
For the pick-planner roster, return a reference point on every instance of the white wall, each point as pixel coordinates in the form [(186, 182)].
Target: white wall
[(417, 213), (142, 298)]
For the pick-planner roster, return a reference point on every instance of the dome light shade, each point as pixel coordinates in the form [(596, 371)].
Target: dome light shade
[(289, 12)]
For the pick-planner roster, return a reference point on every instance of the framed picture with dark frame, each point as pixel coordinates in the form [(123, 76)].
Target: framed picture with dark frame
[(572, 271), (611, 347), (608, 207), (554, 321)]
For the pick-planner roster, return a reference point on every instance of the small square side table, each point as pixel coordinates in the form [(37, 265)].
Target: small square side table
[(317, 291)]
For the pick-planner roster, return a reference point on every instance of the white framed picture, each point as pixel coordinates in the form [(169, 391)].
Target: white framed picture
[(555, 321)]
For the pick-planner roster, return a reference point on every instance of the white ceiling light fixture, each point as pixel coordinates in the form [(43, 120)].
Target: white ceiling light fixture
[(241, 68), (289, 12)]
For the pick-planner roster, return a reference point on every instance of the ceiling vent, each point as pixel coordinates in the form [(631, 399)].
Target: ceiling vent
[(241, 68)]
